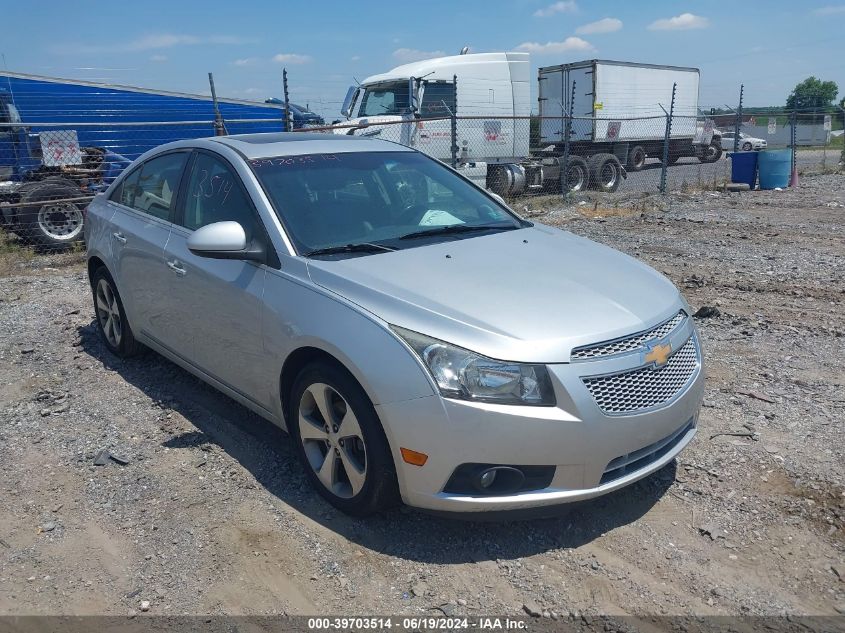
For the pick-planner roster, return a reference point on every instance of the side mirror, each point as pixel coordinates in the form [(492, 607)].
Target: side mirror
[(349, 101), (413, 95), (224, 240), (498, 199)]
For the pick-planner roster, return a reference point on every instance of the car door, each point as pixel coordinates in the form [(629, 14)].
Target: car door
[(220, 301), (144, 204)]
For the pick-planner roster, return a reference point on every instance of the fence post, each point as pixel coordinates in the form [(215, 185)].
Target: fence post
[(738, 122), (288, 126), (219, 125), (453, 122), (567, 133), (666, 137), (842, 155), (793, 122)]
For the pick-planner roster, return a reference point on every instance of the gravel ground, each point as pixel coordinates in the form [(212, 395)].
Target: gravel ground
[(211, 513)]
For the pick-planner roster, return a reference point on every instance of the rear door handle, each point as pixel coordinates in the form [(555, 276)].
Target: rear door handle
[(120, 237), (176, 268)]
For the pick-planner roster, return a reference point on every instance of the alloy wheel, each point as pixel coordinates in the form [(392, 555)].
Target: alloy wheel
[(333, 442), (108, 313)]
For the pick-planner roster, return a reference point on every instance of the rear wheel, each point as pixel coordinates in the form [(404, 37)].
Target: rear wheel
[(636, 158), (577, 174), (605, 172), (49, 218), (340, 440), (711, 153), (111, 318)]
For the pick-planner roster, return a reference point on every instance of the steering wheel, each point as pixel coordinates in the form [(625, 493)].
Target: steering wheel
[(412, 214)]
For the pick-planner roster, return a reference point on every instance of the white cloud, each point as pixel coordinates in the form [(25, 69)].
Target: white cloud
[(245, 61), (564, 6), (150, 42), (414, 55), (291, 58), (169, 40), (569, 44), (830, 10), (683, 22), (605, 25), (355, 58), (158, 58)]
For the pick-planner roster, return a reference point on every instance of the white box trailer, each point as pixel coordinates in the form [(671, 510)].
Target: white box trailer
[(620, 107)]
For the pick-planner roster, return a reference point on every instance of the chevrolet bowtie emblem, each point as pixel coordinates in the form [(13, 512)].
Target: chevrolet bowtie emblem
[(658, 355)]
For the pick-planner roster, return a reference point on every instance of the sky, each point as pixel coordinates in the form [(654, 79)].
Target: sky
[(768, 46)]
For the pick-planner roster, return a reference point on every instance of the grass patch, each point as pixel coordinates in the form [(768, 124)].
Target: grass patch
[(19, 258)]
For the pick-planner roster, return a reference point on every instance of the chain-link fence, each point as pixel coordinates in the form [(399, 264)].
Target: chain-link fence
[(50, 169)]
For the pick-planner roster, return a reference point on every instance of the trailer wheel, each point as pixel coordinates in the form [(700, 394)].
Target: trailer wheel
[(605, 172), (577, 174), (712, 152), (636, 158), (47, 220)]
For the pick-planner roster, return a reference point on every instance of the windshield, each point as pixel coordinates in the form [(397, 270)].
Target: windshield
[(327, 200), (387, 98)]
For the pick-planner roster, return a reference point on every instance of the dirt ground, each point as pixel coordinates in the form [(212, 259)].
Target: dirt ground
[(213, 515)]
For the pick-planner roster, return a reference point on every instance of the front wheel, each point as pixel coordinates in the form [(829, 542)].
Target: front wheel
[(340, 441), (746, 147)]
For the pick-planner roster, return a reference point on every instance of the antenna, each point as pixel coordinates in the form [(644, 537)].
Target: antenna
[(465, 50)]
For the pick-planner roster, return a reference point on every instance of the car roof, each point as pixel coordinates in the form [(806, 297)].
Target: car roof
[(269, 144)]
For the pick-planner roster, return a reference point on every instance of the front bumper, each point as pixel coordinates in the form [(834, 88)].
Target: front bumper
[(593, 453)]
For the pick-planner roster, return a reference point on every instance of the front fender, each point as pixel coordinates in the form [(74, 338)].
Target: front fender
[(385, 367)]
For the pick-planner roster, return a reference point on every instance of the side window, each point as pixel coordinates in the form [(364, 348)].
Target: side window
[(158, 183), (152, 187), (438, 100), (125, 192), (214, 194)]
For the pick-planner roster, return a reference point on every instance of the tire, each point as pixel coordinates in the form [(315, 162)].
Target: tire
[(51, 226), (357, 473), (746, 147), (577, 174), (605, 172), (636, 158), (711, 153), (112, 324)]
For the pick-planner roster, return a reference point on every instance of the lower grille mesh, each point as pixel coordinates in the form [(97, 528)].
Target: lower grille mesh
[(645, 388), (637, 460)]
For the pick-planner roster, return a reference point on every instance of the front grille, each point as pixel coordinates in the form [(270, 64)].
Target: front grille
[(646, 387), (632, 462), (627, 343)]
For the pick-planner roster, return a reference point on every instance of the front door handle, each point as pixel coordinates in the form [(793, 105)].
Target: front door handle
[(176, 268), (120, 237)]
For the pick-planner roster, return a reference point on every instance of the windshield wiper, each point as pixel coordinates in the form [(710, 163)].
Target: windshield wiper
[(453, 229), (363, 247)]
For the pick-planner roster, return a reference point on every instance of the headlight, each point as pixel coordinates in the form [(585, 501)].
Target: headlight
[(460, 373)]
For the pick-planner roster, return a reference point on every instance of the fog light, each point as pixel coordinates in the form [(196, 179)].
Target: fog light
[(486, 479)]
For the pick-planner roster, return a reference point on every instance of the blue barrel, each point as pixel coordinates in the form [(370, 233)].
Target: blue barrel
[(775, 168), (744, 167)]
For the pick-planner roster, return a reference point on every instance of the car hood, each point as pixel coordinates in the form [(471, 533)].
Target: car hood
[(528, 295)]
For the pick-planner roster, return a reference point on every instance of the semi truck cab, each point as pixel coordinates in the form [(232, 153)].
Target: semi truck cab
[(412, 103)]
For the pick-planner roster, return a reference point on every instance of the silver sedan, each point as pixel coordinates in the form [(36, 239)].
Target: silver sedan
[(417, 339)]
